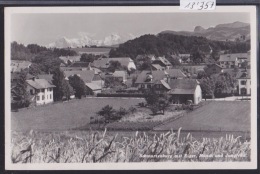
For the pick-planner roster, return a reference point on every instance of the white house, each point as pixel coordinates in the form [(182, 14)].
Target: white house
[(233, 60), (244, 82), (41, 91)]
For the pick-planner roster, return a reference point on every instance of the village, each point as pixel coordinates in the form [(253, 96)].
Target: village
[(162, 76)]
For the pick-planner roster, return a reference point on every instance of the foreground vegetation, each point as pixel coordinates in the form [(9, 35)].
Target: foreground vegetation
[(94, 147)]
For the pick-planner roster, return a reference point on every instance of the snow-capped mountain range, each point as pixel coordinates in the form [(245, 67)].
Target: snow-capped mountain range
[(112, 39)]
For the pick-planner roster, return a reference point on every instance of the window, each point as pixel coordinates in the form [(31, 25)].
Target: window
[(43, 97), (243, 82), (37, 90), (42, 90), (50, 89), (149, 86), (50, 96), (38, 98), (31, 91), (142, 85)]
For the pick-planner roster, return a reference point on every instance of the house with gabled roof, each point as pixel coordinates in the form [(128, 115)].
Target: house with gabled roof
[(41, 91), (175, 73), (244, 82), (213, 69), (233, 60), (183, 90), (19, 65), (162, 61), (91, 79), (103, 63)]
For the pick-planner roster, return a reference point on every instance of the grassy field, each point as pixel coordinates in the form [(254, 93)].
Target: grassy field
[(63, 116), (215, 116)]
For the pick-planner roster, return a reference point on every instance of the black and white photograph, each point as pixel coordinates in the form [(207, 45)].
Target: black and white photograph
[(130, 88)]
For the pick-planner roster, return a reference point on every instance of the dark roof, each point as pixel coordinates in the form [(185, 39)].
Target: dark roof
[(182, 86), (47, 77), (233, 57), (80, 64), (104, 62), (156, 75), (87, 75), (40, 84), (175, 73), (244, 74), (18, 65), (157, 66)]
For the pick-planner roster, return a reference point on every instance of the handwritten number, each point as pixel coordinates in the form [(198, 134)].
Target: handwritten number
[(201, 7), (187, 5), (192, 5)]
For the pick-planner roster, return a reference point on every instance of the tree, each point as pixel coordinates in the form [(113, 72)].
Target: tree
[(107, 113), (67, 90), (121, 112), (157, 102), (58, 81), (197, 56), (208, 86), (19, 93), (87, 57), (78, 85), (114, 65)]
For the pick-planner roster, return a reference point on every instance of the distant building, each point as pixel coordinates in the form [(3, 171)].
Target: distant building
[(213, 69), (244, 82), (103, 63), (19, 65), (146, 80), (76, 66), (233, 60), (175, 74), (183, 90), (162, 61), (185, 58), (92, 80), (70, 59), (41, 91)]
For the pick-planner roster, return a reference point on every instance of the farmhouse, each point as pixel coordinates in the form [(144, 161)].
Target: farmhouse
[(41, 91), (147, 79), (213, 69), (76, 66), (103, 63), (157, 67), (92, 80), (183, 90), (244, 82), (233, 60), (18, 65)]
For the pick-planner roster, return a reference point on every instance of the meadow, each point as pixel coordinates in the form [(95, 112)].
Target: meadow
[(232, 116), (64, 116)]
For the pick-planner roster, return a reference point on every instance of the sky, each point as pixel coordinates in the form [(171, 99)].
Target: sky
[(43, 29)]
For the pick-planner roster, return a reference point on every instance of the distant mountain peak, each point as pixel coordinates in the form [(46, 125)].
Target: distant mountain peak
[(112, 39), (229, 31), (199, 29)]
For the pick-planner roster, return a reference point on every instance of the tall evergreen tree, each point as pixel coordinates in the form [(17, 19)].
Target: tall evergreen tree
[(19, 93), (58, 81), (78, 85)]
